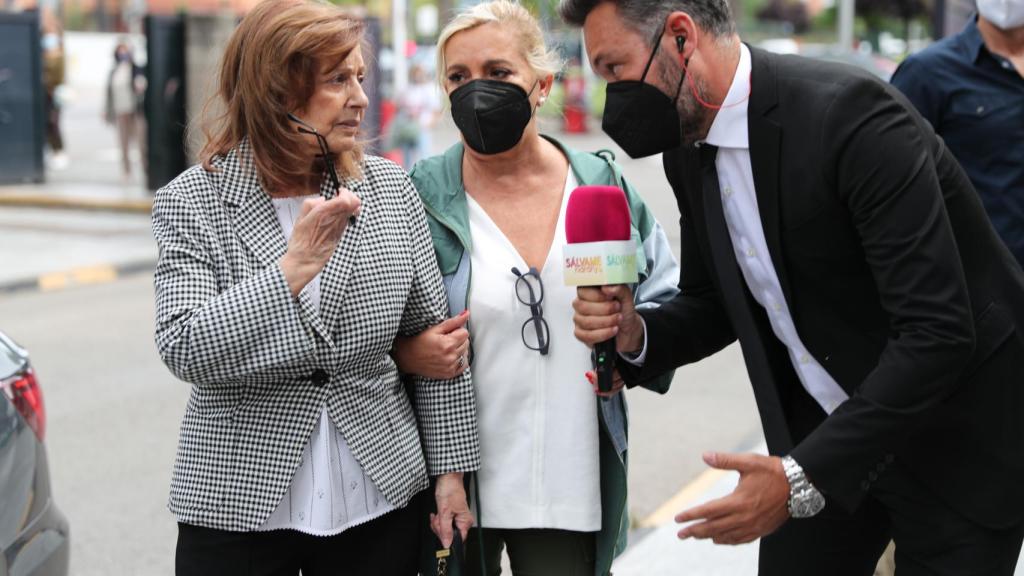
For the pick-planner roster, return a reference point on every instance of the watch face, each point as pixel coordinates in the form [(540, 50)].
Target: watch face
[(807, 504)]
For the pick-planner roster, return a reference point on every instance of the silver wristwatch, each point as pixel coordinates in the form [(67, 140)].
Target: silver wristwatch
[(804, 499)]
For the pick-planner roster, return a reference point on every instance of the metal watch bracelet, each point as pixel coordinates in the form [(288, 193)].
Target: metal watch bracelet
[(804, 499)]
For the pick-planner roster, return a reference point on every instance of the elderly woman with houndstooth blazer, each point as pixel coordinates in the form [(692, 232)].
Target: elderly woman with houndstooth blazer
[(282, 284)]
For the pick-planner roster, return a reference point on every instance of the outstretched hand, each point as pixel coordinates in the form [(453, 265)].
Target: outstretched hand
[(756, 508)]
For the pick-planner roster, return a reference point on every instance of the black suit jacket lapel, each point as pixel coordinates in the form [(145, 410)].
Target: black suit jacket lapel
[(765, 160)]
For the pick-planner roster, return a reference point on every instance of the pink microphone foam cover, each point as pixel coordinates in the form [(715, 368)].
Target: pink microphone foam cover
[(596, 214)]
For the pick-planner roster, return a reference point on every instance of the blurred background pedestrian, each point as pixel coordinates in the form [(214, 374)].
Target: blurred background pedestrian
[(126, 87), (419, 109), (53, 79)]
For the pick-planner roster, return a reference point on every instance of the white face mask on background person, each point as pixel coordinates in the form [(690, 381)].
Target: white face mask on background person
[(1003, 14), (50, 41)]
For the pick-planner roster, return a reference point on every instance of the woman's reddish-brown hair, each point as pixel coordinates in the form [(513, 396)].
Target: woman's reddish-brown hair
[(270, 67)]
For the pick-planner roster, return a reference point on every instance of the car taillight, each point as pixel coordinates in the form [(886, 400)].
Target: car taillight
[(23, 391)]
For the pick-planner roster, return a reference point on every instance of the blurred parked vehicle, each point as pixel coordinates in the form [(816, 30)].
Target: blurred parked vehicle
[(34, 535), (780, 45), (878, 65)]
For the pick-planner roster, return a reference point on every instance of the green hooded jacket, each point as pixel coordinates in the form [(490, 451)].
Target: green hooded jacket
[(439, 182)]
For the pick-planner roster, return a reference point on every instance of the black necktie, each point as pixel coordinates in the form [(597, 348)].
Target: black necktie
[(718, 232), (741, 307)]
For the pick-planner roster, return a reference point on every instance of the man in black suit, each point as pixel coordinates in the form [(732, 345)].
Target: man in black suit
[(827, 228)]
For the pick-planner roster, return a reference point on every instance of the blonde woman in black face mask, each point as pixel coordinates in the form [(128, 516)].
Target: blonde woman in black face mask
[(552, 487)]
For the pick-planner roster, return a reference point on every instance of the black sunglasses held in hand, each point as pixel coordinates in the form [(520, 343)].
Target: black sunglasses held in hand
[(332, 173)]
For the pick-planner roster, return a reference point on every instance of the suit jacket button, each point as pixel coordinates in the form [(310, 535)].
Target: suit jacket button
[(872, 476), (889, 458), (865, 485), (319, 377)]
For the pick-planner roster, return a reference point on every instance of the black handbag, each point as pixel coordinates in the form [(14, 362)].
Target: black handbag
[(435, 559), (440, 561)]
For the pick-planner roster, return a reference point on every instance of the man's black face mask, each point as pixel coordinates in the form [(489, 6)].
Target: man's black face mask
[(641, 119)]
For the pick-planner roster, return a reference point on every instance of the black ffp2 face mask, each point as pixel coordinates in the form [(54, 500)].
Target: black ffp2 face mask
[(491, 114), (641, 119)]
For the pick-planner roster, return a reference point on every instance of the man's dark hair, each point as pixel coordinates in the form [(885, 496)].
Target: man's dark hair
[(645, 16)]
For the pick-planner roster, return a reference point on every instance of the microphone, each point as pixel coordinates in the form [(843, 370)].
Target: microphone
[(599, 252)]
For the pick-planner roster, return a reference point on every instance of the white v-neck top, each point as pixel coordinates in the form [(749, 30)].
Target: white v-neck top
[(537, 414), (329, 493)]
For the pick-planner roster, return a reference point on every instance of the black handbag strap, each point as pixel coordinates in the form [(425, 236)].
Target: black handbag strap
[(479, 523)]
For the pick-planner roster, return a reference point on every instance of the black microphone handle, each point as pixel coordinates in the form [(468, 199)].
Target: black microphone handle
[(604, 364)]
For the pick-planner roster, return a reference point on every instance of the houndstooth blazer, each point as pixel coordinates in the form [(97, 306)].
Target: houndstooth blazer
[(262, 363)]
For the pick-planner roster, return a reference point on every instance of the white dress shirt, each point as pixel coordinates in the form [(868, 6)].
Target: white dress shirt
[(729, 132), (540, 465), (330, 492)]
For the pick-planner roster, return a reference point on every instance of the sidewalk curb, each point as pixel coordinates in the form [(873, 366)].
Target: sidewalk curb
[(99, 204), (80, 276)]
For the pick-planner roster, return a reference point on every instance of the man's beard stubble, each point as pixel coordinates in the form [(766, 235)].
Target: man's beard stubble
[(694, 118)]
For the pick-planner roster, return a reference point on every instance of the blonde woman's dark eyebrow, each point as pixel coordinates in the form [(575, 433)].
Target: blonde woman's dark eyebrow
[(488, 64), (497, 62)]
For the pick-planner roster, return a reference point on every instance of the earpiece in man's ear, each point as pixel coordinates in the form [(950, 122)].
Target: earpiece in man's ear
[(680, 42)]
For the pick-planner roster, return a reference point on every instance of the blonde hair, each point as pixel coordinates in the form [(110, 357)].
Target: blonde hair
[(270, 67), (544, 62)]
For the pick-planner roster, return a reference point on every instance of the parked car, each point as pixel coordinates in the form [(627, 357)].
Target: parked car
[(34, 534)]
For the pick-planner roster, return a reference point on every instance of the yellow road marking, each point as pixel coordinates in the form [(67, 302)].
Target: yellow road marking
[(94, 274), (676, 504), (55, 281), (77, 276)]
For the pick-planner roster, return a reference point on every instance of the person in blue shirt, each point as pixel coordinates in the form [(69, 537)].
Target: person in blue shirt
[(970, 87)]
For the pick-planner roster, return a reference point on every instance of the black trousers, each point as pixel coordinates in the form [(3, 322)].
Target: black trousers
[(386, 546), (931, 538), (532, 552)]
